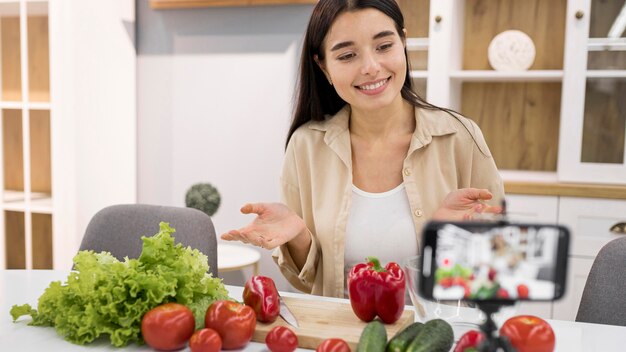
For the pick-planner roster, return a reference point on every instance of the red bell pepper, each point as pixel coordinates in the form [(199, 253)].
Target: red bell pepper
[(261, 295), (375, 290)]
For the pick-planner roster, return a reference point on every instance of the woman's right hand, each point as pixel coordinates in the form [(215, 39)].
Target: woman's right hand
[(274, 225)]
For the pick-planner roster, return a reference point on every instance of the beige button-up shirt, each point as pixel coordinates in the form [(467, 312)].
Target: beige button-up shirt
[(447, 152)]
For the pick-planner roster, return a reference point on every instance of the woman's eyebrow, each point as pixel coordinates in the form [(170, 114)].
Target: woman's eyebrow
[(348, 43)]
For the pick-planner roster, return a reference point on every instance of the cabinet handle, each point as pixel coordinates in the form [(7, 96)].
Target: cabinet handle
[(579, 14), (438, 18), (619, 228)]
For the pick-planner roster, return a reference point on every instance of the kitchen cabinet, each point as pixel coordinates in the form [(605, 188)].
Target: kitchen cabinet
[(557, 130), (68, 141)]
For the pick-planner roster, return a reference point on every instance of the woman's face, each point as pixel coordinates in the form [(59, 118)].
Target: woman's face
[(365, 60)]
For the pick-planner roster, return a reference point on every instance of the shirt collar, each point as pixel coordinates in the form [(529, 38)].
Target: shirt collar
[(428, 124)]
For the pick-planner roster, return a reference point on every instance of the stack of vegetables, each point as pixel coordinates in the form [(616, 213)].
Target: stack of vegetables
[(105, 296)]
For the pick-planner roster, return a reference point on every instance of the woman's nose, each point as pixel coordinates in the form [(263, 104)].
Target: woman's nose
[(370, 65)]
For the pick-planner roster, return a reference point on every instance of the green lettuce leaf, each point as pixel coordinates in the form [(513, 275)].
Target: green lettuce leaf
[(105, 296)]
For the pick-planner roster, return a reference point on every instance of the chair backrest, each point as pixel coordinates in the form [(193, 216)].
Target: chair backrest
[(604, 296), (118, 229)]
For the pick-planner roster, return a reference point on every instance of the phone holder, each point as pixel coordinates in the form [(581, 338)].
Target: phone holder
[(493, 342)]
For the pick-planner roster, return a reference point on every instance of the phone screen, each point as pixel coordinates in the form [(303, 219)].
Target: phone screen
[(493, 262)]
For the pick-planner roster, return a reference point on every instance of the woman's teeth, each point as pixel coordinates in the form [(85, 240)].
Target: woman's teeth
[(373, 86)]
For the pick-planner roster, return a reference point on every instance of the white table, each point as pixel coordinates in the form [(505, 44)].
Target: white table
[(232, 257), (25, 286)]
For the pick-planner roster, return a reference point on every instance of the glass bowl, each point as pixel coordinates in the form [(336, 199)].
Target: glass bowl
[(459, 314)]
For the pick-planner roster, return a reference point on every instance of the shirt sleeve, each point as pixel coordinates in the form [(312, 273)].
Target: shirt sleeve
[(290, 192), (485, 174)]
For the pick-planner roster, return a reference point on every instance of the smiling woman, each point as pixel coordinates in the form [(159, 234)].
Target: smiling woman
[(368, 161)]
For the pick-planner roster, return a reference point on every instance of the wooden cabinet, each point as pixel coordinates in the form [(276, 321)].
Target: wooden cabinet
[(68, 141), (556, 131), (25, 110)]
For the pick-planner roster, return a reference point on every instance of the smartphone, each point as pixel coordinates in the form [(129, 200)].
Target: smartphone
[(493, 261)]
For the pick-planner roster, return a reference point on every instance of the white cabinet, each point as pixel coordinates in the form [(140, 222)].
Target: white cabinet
[(577, 272), (589, 220), (564, 119), (67, 103)]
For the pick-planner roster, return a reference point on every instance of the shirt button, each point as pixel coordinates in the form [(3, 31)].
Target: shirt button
[(418, 213), (407, 171)]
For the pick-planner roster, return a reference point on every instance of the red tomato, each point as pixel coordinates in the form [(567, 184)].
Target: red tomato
[(502, 293), (235, 322), (333, 345), (168, 326), (470, 339), (281, 339), (529, 333), (205, 340), (522, 291)]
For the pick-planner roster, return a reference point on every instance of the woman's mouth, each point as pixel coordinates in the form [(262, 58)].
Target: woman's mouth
[(374, 87)]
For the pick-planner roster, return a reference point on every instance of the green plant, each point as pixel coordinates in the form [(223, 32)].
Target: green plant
[(204, 197)]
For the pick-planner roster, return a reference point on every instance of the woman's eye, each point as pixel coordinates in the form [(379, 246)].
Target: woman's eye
[(345, 57), (385, 46)]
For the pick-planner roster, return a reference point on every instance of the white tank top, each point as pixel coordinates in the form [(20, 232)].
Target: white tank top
[(380, 225)]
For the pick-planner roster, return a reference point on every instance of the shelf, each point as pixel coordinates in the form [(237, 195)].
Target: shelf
[(606, 74), (20, 105), (565, 189), (417, 44), (40, 203), (501, 76), (179, 4), (606, 44), (420, 74)]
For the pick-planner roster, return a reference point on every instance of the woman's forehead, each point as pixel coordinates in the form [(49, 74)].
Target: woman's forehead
[(352, 25)]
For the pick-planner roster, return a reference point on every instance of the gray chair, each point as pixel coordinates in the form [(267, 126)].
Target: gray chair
[(604, 296), (118, 229)]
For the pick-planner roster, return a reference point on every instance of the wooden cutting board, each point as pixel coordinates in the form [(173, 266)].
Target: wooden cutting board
[(320, 320)]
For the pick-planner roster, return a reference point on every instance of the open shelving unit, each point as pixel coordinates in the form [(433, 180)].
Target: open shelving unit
[(26, 194)]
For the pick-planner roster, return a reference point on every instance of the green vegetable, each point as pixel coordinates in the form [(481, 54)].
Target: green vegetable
[(402, 339), (435, 336), (106, 296), (373, 338)]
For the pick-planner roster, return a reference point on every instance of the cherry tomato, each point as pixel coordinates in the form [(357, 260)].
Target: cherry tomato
[(233, 321), (333, 345), (281, 339), (522, 291), (469, 340), (205, 340), (168, 326), (529, 333)]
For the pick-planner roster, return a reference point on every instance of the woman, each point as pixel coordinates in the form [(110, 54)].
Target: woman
[(368, 161)]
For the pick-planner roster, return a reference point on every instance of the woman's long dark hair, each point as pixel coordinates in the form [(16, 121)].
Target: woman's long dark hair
[(315, 96)]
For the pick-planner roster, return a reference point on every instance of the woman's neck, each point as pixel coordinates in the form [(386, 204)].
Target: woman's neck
[(397, 119)]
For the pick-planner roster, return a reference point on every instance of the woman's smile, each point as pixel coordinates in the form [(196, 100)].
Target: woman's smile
[(375, 87)]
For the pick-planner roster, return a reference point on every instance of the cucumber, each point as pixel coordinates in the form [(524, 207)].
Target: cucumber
[(373, 338), (435, 336), (404, 337)]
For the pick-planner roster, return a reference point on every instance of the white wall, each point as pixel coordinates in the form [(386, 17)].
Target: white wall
[(214, 99)]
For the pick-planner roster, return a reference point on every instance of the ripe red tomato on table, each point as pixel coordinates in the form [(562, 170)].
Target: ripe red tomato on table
[(333, 345), (281, 339), (529, 333), (233, 321), (168, 327), (205, 340), (522, 291)]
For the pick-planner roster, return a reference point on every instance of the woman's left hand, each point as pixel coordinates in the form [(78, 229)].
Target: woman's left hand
[(465, 204)]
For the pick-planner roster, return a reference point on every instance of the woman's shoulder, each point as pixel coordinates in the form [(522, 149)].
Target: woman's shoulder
[(316, 131), (464, 127)]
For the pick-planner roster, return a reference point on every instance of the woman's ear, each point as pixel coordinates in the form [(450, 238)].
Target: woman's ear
[(404, 37), (323, 68)]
